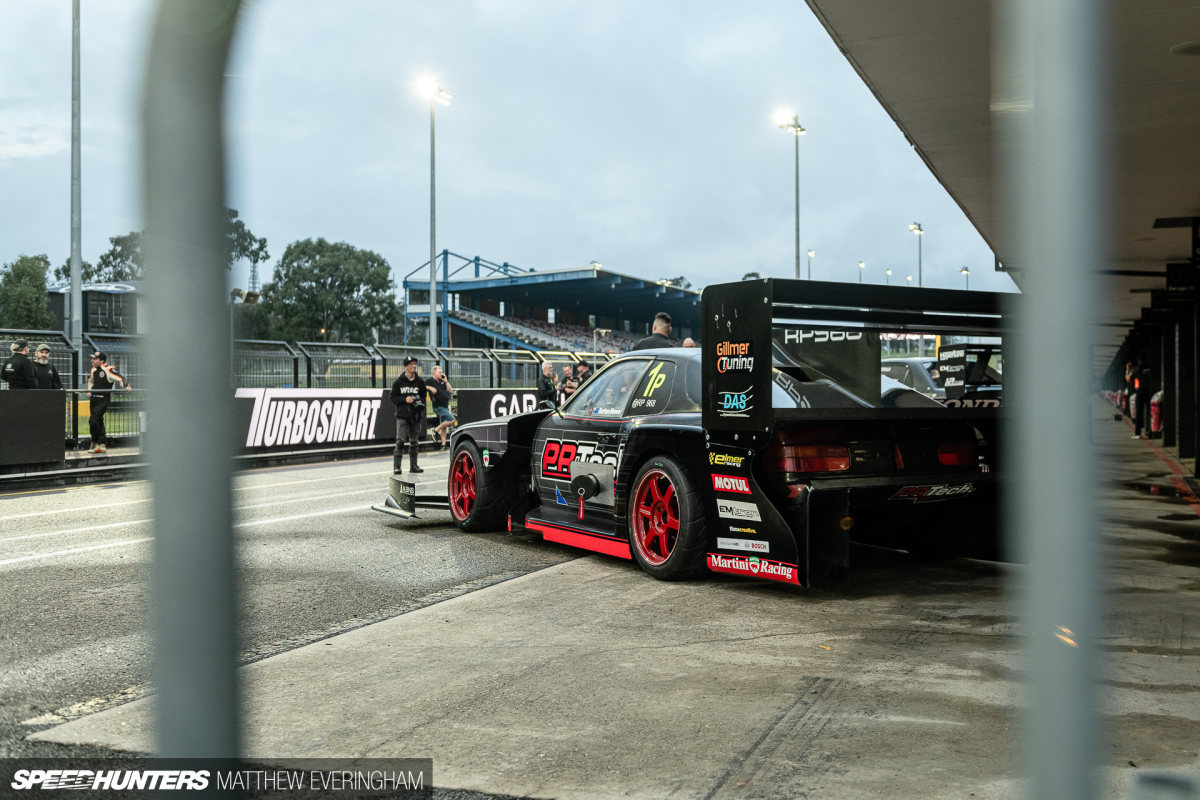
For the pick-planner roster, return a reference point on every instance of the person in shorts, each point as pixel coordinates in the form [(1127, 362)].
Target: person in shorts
[(441, 391), (408, 395)]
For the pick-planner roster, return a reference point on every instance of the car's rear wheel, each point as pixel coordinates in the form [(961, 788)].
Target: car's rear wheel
[(480, 497), (666, 521)]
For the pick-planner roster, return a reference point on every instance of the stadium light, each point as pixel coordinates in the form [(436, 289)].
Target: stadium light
[(428, 88), (861, 266), (595, 264), (791, 123), (811, 253), (966, 273), (919, 231), (909, 279), (888, 272)]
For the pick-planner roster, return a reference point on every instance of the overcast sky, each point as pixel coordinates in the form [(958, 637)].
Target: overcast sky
[(635, 134)]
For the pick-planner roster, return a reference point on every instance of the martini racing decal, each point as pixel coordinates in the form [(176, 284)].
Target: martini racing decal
[(735, 404), (733, 509), (754, 567), (730, 483), (557, 456), (751, 545), (933, 494), (735, 357), (721, 459)]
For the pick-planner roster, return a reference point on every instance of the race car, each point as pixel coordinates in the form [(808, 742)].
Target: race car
[(720, 459)]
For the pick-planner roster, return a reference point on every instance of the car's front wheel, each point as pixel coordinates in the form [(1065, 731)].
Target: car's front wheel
[(666, 521)]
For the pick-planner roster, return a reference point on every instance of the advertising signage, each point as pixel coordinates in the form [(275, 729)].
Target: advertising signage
[(295, 419)]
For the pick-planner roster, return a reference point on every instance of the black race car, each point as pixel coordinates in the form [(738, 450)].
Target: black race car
[(721, 459)]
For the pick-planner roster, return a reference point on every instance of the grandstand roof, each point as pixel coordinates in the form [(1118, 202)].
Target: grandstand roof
[(587, 290)]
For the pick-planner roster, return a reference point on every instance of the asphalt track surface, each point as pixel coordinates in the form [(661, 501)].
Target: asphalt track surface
[(314, 561)]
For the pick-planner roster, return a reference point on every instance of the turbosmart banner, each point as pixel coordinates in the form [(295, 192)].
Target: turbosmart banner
[(291, 419)]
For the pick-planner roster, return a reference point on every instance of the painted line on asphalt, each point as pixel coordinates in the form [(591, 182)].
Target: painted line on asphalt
[(75, 530), (38, 556), (73, 510)]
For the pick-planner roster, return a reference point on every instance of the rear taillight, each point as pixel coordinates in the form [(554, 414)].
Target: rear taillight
[(958, 454), (806, 458)]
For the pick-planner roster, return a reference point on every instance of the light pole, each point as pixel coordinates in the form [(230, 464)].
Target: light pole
[(919, 231), (75, 326), (792, 125), (861, 266), (436, 95), (811, 253), (889, 276), (966, 273), (600, 332), (909, 279)]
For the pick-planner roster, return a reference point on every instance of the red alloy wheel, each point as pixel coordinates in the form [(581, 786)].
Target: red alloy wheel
[(462, 486), (655, 517)]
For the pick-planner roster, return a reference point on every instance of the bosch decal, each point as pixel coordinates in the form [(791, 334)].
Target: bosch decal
[(733, 509), (933, 494), (724, 460), (730, 483), (754, 567), (819, 337), (557, 456), (751, 545), (735, 357)]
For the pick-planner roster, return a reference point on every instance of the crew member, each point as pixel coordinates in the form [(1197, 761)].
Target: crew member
[(660, 332), (1140, 378), (441, 390), (100, 384), (689, 342), (408, 395), (547, 387), (569, 384), (47, 373), (582, 373), (18, 370)]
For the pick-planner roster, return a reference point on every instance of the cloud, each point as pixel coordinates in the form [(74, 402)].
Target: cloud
[(32, 139)]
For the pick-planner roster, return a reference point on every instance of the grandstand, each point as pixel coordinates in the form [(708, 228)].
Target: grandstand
[(501, 305)]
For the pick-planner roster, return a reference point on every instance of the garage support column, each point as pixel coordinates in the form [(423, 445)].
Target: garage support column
[(1169, 383), (1186, 356)]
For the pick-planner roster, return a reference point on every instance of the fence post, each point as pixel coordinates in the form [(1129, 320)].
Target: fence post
[(195, 590)]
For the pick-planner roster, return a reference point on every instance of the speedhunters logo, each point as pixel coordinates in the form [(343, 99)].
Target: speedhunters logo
[(118, 779), (735, 357)]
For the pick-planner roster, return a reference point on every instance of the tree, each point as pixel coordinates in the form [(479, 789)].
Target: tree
[(124, 260), (24, 302), (681, 282), (87, 272), (751, 276), (330, 292)]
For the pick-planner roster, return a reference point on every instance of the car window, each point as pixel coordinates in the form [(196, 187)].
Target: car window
[(897, 371), (653, 394), (935, 374), (607, 394)]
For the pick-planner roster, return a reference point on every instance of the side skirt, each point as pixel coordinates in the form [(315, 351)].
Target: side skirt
[(609, 545)]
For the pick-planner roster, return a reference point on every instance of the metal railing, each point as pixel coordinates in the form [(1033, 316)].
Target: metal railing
[(393, 356), (62, 354), (124, 418), (517, 369), (123, 351), (329, 365), (469, 367), (261, 364)]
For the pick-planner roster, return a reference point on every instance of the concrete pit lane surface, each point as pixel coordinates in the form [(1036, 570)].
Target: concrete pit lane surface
[(588, 679)]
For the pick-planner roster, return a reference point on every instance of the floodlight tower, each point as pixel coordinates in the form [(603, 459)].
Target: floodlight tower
[(436, 95), (919, 231), (791, 124)]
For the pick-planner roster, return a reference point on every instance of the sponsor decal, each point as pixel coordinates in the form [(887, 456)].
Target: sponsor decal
[(967, 402), (730, 483), (753, 566), (735, 357), (820, 337), (304, 416), (655, 379), (736, 529), (721, 459), (113, 779), (487, 458), (733, 509), (734, 404), (945, 354), (557, 455), (933, 494), (408, 488), (751, 545), (508, 403), (558, 497)]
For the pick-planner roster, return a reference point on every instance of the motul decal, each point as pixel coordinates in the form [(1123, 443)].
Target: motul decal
[(933, 494), (730, 483), (754, 567)]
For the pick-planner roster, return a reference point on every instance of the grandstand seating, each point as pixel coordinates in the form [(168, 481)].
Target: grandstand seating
[(548, 335)]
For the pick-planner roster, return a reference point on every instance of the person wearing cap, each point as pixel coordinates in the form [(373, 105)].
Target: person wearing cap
[(47, 373), (100, 384), (18, 369), (408, 396), (582, 373)]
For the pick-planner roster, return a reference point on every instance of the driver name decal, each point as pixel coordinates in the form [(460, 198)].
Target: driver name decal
[(754, 567)]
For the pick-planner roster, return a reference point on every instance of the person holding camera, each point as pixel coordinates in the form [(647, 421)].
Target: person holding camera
[(408, 395)]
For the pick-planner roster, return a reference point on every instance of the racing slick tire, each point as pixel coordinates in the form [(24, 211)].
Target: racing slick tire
[(480, 498), (666, 521)]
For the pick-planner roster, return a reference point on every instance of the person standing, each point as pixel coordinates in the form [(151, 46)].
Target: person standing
[(100, 385), (1139, 376), (547, 387), (18, 369), (582, 373), (689, 342), (568, 384), (47, 373), (660, 333), (442, 391), (408, 395)]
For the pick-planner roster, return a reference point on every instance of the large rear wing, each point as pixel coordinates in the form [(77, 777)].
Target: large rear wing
[(831, 334)]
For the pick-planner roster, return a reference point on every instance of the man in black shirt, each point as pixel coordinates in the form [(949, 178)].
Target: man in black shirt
[(658, 337), (582, 373), (100, 384), (1139, 377), (47, 373), (18, 369), (408, 395), (547, 387), (439, 387)]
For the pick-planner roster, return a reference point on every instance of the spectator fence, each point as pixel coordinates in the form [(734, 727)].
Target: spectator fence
[(330, 365), (393, 356), (517, 369), (265, 365)]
